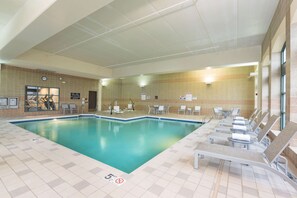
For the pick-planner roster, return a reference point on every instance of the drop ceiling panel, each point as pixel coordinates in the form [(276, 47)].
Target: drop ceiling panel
[(115, 35), (139, 42), (8, 8), (250, 40), (199, 45), (91, 26), (133, 9), (163, 4), (99, 52), (162, 31), (68, 37), (109, 17), (219, 17), (187, 24), (257, 21)]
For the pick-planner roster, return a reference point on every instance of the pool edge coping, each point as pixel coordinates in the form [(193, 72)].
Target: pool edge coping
[(16, 121)]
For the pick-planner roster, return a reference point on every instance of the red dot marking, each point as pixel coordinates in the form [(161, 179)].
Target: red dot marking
[(119, 180)]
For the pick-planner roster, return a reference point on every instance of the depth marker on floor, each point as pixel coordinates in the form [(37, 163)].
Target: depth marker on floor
[(115, 179)]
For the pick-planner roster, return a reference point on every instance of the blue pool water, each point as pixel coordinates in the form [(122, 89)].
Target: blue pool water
[(123, 145)]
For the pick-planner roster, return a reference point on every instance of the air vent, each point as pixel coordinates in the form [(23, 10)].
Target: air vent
[(253, 74)]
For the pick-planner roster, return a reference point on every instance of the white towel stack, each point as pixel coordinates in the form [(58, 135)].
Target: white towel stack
[(239, 127), (239, 122), (238, 136)]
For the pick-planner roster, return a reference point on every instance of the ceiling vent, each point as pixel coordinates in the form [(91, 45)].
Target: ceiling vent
[(253, 74)]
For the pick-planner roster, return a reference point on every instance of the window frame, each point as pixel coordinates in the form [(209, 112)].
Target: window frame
[(32, 93), (283, 88)]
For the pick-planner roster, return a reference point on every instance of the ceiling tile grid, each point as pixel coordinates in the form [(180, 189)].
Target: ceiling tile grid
[(127, 32)]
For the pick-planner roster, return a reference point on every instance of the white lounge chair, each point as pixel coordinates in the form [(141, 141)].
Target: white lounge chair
[(261, 136), (250, 121), (242, 128), (182, 108), (264, 160)]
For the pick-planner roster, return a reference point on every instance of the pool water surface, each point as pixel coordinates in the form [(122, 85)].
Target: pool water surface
[(124, 145)]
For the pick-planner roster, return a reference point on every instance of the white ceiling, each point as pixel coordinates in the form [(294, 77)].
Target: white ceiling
[(127, 32), (104, 38), (8, 8)]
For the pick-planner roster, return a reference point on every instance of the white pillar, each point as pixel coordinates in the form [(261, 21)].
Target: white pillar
[(99, 95)]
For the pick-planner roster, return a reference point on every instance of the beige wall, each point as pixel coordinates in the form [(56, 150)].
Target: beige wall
[(13, 81), (231, 88), (282, 30)]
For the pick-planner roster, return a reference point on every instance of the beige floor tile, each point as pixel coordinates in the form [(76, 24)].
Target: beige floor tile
[(55, 170)]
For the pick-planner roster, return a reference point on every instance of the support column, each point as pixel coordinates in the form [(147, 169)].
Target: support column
[(291, 72), (99, 96), (259, 92), (265, 88), (274, 83)]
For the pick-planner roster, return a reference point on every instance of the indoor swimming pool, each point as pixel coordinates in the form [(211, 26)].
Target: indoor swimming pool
[(124, 145)]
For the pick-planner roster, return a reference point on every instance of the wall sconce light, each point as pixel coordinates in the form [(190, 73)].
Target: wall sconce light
[(208, 80), (142, 84), (104, 82)]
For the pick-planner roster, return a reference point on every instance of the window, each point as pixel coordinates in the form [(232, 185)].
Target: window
[(41, 99), (283, 87)]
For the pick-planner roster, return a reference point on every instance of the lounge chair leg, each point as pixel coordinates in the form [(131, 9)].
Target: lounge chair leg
[(196, 160)]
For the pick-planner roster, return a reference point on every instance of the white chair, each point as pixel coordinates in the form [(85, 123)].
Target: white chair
[(182, 108), (235, 112), (116, 109), (166, 109), (73, 108), (130, 107), (151, 109), (197, 109), (65, 108), (218, 112), (161, 109)]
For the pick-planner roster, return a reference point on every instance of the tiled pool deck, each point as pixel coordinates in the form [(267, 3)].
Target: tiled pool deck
[(42, 168)]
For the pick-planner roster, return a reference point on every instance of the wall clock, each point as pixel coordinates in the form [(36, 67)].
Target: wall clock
[(44, 78)]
